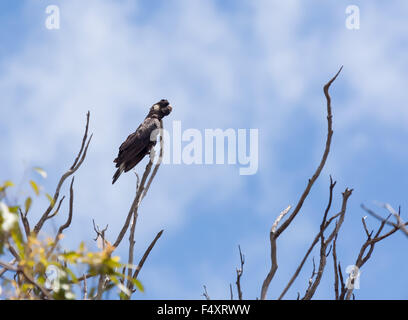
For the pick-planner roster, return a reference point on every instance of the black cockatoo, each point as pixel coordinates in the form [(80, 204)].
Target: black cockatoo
[(139, 143)]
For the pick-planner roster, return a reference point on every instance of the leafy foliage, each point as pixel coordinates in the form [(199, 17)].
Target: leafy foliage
[(41, 269)]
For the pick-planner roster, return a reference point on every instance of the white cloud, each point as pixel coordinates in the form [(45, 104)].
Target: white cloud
[(216, 73)]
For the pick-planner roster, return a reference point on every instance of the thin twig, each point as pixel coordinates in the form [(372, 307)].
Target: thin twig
[(132, 239), (365, 253), (146, 254), (239, 273), (274, 262), (324, 244), (34, 283), (322, 162), (397, 215), (4, 270), (134, 206), (77, 163), (25, 222), (85, 289), (69, 218), (323, 227), (336, 273), (285, 224), (205, 294)]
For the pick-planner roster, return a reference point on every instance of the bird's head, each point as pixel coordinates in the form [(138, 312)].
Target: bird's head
[(160, 109)]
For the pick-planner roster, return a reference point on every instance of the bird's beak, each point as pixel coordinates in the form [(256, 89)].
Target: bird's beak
[(170, 108)]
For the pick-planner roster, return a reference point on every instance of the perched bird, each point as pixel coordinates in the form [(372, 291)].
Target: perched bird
[(139, 143)]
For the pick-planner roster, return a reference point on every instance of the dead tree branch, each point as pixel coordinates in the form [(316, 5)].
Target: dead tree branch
[(366, 251), (324, 244), (336, 271), (240, 271), (141, 190), (144, 257), (69, 219), (322, 161), (75, 166), (397, 215), (285, 224), (205, 294), (274, 262), (315, 241)]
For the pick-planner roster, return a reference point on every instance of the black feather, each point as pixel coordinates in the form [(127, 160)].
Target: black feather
[(138, 144)]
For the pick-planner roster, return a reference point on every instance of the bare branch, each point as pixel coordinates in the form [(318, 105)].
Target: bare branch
[(8, 266), (274, 263), (131, 247), (141, 192), (159, 160), (323, 246), (99, 233), (133, 207), (101, 284), (34, 283), (77, 163), (322, 162), (239, 273), (77, 159), (56, 210), (85, 289), (146, 254), (68, 221), (336, 273), (70, 212), (13, 251), (367, 249), (314, 273), (205, 294), (324, 225), (276, 233), (25, 222), (5, 269)]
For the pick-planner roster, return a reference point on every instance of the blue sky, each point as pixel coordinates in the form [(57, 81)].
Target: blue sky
[(242, 64)]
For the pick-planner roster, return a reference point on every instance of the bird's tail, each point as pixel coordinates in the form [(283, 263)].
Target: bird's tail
[(116, 175)]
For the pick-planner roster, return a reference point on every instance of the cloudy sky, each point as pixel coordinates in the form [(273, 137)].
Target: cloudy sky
[(234, 64)]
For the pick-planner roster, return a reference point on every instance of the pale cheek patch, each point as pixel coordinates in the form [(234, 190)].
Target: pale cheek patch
[(156, 107)]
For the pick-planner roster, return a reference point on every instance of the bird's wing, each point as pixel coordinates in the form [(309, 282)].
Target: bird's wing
[(138, 140)]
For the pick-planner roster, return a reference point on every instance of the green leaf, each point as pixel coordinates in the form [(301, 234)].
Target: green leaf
[(71, 256), (112, 264), (138, 285), (18, 239), (41, 172), (50, 199), (35, 187), (123, 296), (8, 183), (120, 286), (14, 209), (27, 204), (73, 276)]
